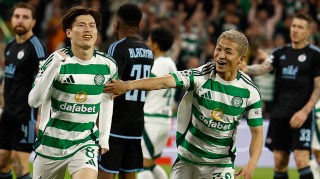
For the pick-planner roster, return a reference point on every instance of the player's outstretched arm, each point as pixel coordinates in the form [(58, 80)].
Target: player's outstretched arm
[(255, 151), (119, 87)]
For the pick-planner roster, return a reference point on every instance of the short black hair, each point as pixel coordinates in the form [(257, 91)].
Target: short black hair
[(130, 14), (25, 5), (76, 11), (163, 37)]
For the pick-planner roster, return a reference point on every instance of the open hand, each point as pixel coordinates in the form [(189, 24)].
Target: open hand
[(103, 150), (117, 88), (246, 173), (298, 119)]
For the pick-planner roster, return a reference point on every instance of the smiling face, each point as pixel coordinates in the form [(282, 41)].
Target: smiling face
[(226, 58), (22, 21), (83, 32)]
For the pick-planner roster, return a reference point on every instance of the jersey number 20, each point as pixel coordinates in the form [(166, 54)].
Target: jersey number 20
[(138, 71)]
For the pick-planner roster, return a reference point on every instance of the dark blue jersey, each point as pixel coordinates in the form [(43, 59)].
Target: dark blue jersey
[(295, 72), (134, 60), (21, 67)]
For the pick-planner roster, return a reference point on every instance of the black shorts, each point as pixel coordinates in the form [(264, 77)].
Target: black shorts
[(18, 133), (125, 155), (281, 136)]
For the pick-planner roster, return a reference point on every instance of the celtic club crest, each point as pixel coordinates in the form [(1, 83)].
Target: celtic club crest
[(99, 79), (237, 101)]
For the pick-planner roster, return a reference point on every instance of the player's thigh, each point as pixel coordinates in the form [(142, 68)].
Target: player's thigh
[(184, 170), (87, 173), (20, 162), (155, 137), (5, 157), (86, 158), (281, 159), (302, 158), (47, 168)]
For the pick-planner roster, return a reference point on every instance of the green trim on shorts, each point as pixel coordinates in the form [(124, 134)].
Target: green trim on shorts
[(148, 143), (64, 157), (157, 115)]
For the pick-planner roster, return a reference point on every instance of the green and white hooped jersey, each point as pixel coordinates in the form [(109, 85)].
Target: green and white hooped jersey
[(210, 112), (71, 108), (159, 103)]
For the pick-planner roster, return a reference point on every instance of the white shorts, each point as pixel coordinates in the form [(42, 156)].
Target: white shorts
[(187, 170), (48, 168), (155, 137), (315, 140)]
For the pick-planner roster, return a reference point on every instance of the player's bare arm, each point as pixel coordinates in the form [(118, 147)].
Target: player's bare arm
[(300, 116), (258, 69), (255, 151), (119, 87)]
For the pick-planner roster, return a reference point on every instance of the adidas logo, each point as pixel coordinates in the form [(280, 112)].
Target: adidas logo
[(69, 80), (282, 57), (306, 144), (207, 95), (91, 162), (23, 141)]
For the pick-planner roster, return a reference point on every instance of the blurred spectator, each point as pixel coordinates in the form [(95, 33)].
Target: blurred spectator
[(55, 34), (49, 11), (258, 14)]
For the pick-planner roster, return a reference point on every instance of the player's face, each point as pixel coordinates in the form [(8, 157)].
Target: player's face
[(226, 56), (83, 32), (299, 30), (22, 21)]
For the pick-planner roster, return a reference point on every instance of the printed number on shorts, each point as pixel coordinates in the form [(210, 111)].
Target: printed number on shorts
[(220, 176), (138, 71), (90, 152), (305, 135)]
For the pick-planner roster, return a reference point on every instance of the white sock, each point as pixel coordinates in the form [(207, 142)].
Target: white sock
[(145, 174), (315, 168), (159, 172)]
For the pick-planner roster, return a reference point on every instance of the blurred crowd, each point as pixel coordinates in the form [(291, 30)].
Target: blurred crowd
[(195, 23)]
